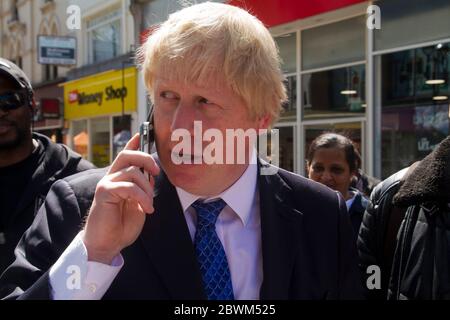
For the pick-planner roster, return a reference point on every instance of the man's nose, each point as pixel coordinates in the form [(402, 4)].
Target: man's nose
[(184, 117), (3, 112)]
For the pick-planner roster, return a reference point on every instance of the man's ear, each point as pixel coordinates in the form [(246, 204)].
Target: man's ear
[(264, 122)]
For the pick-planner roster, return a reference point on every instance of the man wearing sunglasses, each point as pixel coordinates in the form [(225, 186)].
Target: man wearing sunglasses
[(29, 162)]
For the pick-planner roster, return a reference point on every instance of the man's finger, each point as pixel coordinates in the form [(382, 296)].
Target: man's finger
[(133, 143), (133, 174), (130, 158), (128, 190)]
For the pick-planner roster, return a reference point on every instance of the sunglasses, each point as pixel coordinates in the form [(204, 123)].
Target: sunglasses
[(12, 100)]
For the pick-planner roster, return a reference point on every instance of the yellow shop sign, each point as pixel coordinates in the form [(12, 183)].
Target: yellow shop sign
[(100, 94)]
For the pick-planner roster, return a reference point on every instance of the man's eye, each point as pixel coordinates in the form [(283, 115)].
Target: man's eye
[(205, 101), (168, 95)]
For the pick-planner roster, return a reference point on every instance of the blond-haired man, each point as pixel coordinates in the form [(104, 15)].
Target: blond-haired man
[(197, 229)]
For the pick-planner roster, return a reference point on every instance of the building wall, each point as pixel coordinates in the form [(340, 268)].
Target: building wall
[(19, 39)]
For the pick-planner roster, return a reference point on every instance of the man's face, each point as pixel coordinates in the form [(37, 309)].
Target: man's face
[(14, 124), (177, 106)]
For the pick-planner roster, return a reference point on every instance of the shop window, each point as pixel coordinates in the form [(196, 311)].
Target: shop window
[(334, 93), (80, 138), (289, 108), (14, 11), (121, 133), (50, 72), (406, 22), (286, 151), (335, 43), (283, 151), (104, 37), (100, 139), (415, 104), (288, 52)]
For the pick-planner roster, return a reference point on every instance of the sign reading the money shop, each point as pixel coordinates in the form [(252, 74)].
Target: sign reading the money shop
[(100, 94)]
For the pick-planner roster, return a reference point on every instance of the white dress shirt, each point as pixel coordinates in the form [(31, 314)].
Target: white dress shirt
[(238, 228)]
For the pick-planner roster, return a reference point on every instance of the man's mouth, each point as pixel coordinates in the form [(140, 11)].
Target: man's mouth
[(187, 158), (5, 126)]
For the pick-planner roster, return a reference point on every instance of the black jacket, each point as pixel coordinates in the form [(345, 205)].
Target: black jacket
[(307, 249), (371, 241), (415, 264), (57, 162)]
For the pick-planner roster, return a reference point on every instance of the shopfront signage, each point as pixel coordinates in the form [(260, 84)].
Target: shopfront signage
[(57, 50), (101, 94), (110, 93)]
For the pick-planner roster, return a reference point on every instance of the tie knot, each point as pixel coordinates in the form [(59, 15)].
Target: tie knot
[(207, 212)]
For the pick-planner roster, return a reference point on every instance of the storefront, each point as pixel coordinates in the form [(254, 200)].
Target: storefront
[(100, 113), (48, 116), (387, 88)]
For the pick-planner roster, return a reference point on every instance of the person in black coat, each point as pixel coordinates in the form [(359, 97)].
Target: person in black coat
[(334, 161), (405, 231), (29, 162), (270, 234)]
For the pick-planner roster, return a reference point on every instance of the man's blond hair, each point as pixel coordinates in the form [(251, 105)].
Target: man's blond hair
[(214, 38)]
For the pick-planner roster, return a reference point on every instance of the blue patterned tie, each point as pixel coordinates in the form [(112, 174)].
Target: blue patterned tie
[(210, 253)]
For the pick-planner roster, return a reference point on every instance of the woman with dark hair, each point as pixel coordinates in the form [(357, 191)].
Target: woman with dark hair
[(333, 160)]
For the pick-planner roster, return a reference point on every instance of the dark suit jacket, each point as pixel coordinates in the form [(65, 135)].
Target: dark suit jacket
[(307, 246)]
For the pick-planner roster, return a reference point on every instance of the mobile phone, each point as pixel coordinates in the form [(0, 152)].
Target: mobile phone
[(147, 134), (147, 139)]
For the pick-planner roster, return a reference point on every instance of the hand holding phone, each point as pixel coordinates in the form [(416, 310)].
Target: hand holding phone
[(123, 198)]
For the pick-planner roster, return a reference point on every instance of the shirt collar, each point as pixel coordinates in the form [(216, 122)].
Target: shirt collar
[(239, 197), (350, 201)]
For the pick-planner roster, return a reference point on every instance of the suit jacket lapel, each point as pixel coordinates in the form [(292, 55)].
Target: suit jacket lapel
[(280, 229), (166, 238)]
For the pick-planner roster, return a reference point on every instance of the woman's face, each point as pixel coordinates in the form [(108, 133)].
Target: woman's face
[(330, 167)]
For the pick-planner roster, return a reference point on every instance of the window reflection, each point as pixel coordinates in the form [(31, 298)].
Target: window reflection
[(415, 104), (334, 93), (416, 76), (288, 112), (104, 34), (286, 148)]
